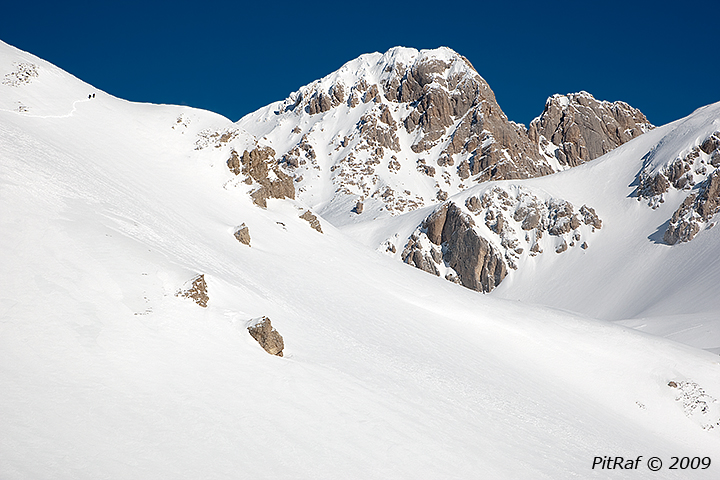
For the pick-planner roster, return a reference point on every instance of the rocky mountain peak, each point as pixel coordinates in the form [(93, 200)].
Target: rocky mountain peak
[(396, 131)]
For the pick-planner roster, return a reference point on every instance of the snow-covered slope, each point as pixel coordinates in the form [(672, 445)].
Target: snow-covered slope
[(595, 239), (630, 271), (109, 208)]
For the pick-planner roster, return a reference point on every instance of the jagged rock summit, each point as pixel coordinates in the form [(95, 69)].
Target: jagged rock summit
[(396, 131), (576, 128)]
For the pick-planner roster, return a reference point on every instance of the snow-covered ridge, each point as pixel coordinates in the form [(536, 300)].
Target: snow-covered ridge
[(685, 161)]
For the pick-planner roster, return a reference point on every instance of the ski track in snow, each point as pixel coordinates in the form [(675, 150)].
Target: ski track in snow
[(23, 114)]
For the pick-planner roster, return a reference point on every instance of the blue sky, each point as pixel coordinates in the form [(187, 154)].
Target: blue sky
[(234, 57)]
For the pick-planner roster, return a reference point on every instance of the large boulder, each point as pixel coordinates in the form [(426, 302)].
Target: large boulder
[(270, 340)]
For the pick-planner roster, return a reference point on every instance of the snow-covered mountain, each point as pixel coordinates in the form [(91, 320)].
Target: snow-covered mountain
[(388, 134), (144, 247), (394, 132)]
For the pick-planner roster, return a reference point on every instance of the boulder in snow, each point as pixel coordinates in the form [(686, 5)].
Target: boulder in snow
[(197, 291), (270, 340), (242, 234)]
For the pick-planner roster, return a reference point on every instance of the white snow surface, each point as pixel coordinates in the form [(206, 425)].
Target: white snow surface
[(107, 208)]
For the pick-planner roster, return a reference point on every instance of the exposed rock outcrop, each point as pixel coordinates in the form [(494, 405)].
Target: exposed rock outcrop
[(682, 173), (22, 75), (270, 340), (432, 100), (654, 186), (697, 404), (695, 212), (217, 139), (242, 234), (261, 168), (472, 259), (429, 114), (196, 291), (590, 217), (513, 223), (581, 128), (695, 172), (312, 219)]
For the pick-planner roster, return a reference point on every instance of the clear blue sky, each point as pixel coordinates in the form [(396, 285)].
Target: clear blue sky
[(234, 57)]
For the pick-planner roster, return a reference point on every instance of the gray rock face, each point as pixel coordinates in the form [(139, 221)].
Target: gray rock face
[(413, 255), (708, 203), (684, 172), (484, 143), (695, 172), (268, 338), (513, 222), (590, 217), (655, 185), (583, 128), (475, 261)]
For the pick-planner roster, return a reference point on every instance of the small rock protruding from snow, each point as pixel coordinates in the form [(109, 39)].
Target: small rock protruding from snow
[(359, 206), (270, 340), (309, 217), (242, 234), (196, 291), (22, 75)]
